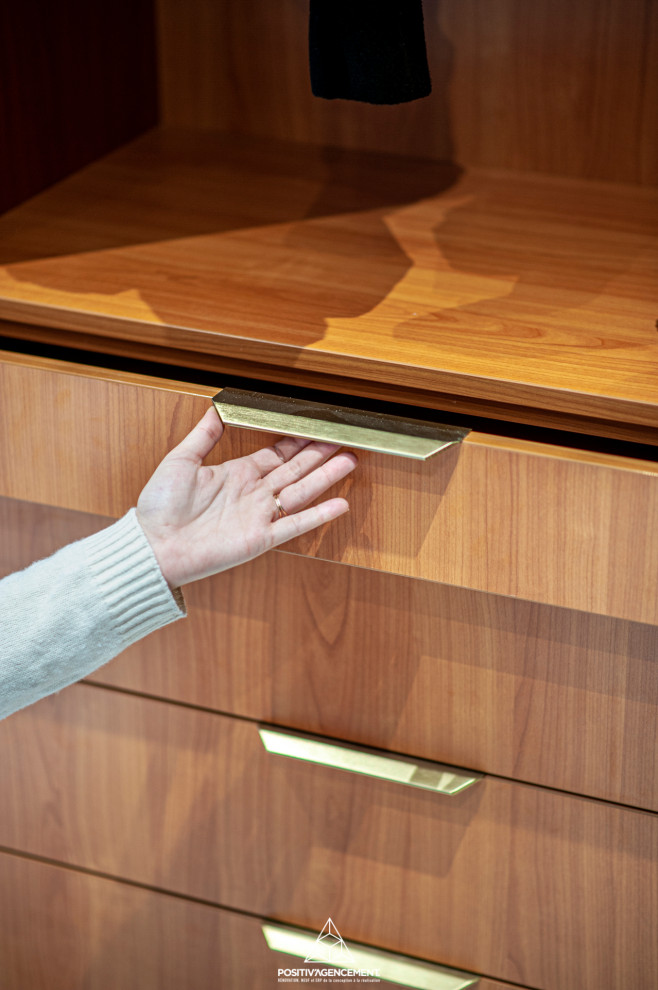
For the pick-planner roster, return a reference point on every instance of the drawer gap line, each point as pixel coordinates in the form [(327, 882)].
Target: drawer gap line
[(393, 752)]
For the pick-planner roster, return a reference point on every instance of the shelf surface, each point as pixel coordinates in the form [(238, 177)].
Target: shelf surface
[(506, 287)]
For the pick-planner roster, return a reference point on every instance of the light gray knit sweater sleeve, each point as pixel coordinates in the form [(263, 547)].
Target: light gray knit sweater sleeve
[(63, 617)]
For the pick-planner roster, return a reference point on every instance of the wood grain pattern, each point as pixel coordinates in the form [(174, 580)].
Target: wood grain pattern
[(72, 445), (539, 86), (225, 368), (518, 289), (541, 694), (553, 88), (508, 517), (107, 934), (490, 880)]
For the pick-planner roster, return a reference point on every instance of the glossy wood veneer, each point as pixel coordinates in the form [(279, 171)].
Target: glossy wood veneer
[(506, 287), (525, 884), (534, 692), (542, 694), (510, 82), (92, 933), (41, 339), (504, 516)]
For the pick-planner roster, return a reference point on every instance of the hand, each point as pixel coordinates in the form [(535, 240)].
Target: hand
[(201, 520)]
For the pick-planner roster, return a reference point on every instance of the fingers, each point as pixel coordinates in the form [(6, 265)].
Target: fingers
[(300, 465), (288, 527), (270, 458), (200, 441), (301, 493)]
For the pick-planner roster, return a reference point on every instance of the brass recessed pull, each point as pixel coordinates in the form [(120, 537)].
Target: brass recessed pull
[(387, 966), (371, 763), (356, 428)]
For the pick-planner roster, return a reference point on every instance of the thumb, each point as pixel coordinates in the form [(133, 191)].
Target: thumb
[(200, 441)]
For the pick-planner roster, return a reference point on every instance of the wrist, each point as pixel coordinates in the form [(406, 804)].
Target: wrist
[(159, 545)]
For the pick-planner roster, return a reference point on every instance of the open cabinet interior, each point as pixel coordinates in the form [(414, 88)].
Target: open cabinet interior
[(489, 247)]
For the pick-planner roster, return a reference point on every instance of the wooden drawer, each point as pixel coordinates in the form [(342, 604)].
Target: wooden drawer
[(543, 694), (519, 882), (508, 517), (93, 933)]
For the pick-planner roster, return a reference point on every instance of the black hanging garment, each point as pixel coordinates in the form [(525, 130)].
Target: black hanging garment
[(372, 51)]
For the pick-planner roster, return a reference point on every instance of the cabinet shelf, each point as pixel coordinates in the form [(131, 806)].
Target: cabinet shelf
[(507, 288)]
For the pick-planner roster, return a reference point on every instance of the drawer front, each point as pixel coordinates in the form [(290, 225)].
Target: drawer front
[(547, 695), (518, 882), (509, 518), (92, 933)]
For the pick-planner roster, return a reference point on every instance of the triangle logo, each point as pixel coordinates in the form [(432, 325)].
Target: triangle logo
[(330, 948)]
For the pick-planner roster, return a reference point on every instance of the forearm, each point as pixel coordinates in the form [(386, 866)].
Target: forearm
[(65, 616)]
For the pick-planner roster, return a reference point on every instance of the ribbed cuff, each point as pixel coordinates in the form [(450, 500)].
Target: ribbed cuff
[(126, 572)]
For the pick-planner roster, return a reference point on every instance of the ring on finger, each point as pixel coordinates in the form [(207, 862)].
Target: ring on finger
[(282, 511)]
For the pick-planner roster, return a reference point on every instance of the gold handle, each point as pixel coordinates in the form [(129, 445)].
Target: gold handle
[(347, 427), (341, 756), (329, 950)]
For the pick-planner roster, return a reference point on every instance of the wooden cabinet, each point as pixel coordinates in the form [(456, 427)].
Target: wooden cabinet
[(493, 609), (505, 516), (137, 937), (480, 681), (191, 802)]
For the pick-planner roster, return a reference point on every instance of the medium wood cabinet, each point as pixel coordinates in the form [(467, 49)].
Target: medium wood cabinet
[(191, 802), (485, 258)]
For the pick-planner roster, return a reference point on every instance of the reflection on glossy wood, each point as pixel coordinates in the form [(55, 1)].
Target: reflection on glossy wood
[(547, 695), (490, 880), (87, 441), (510, 518), (507, 517), (510, 82), (92, 933), (513, 288), (543, 694)]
